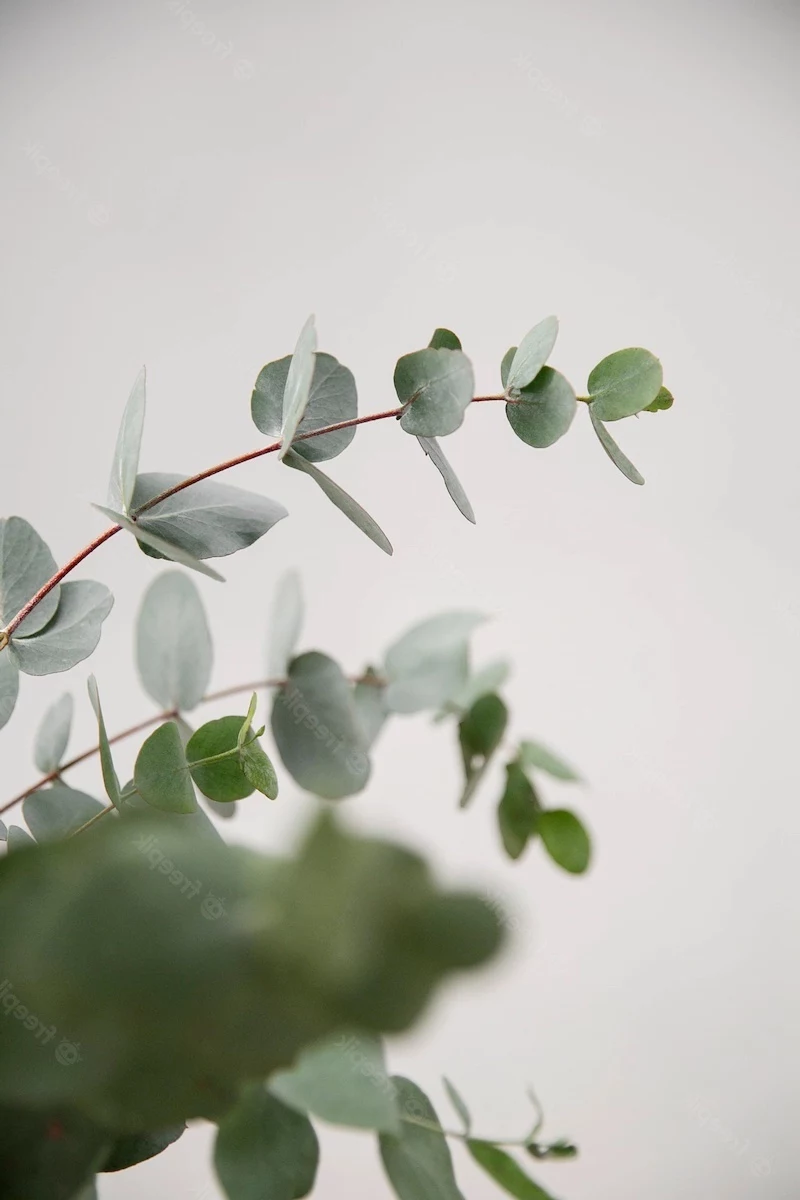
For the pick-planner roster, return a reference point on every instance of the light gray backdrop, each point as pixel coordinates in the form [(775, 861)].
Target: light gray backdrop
[(184, 183)]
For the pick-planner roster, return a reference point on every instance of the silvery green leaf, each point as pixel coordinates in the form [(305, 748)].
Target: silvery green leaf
[(444, 339), (207, 520), (535, 755), (286, 623), (110, 778), (457, 493), (437, 386), (18, 838), (370, 697), (418, 1161), (613, 451), (129, 441), (624, 383), (458, 1104), (505, 366), (662, 402), (344, 502), (165, 549), (317, 729), (52, 737), (333, 398), (481, 683), (264, 1150), (429, 664), (543, 411), (298, 384), (71, 636), (161, 773), (533, 352), (9, 686), (174, 652), (342, 1080), (58, 811), (26, 565)]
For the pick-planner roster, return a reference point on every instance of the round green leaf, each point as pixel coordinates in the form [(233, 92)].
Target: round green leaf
[(438, 387), (333, 398), (26, 564), (624, 383), (173, 642), (318, 730), (264, 1149), (662, 402), (543, 411), (444, 339), (565, 840), (224, 780), (161, 775)]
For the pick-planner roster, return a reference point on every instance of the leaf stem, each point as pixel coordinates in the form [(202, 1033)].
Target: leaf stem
[(459, 1134), (92, 820), (70, 566)]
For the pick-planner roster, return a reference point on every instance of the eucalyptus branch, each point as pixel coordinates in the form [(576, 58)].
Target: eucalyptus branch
[(272, 448)]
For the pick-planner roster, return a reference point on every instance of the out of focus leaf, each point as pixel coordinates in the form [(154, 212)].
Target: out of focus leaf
[(417, 1161), (342, 1080), (58, 811), (519, 811), (47, 1155), (429, 664), (174, 653), (286, 623), (265, 1149), (458, 1104), (133, 1148), (565, 840), (535, 755), (506, 1171), (52, 736)]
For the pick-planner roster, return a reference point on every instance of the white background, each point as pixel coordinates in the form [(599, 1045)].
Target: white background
[(216, 173)]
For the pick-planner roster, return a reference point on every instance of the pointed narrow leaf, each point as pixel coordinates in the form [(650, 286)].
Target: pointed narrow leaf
[(624, 383), (265, 1150), (3, 832), (58, 811), (298, 384), (252, 757), (345, 503), (480, 732), (224, 780), (26, 565), (154, 541), (535, 755), (533, 352), (505, 366), (342, 1080), (9, 686), (209, 519), (543, 411), (451, 482), (110, 778), (519, 811), (438, 387), (333, 398), (418, 1162), (613, 451), (565, 840), (506, 1171), (430, 663), (129, 442), (161, 774), (173, 643), (71, 636), (134, 1148), (286, 623), (52, 736), (317, 729), (458, 1104), (444, 339), (18, 838)]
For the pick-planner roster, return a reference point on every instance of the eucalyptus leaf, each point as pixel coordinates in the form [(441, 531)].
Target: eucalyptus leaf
[(174, 652), (52, 737), (613, 451), (544, 410), (333, 398), (451, 482), (624, 383), (57, 812), (480, 732), (481, 683), (444, 339), (370, 699), (345, 503), (286, 624), (3, 832), (418, 1161), (225, 780), (134, 1148), (535, 755), (9, 687), (533, 352), (161, 774), (519, 811), (458, 1104), (48, 1154), (26, 565), (437, 386), (157, 543), (71, 636), (129, 443), (18, 838), (209, 519), (253, 759), (264, 1149), (110, 778), (317, 729), (298, 384), (343, 1080), (565, 840), (505, 366), (506, 1171), (429, 664), (662, 402)]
